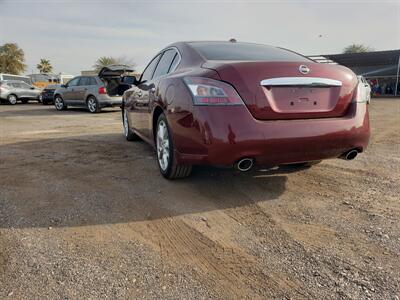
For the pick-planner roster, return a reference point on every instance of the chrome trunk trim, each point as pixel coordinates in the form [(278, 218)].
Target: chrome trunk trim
[(301, 81)]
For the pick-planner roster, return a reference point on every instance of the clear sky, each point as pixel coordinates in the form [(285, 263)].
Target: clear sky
[(73, 34)]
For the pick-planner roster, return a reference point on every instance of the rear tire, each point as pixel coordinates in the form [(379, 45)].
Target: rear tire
[(93, 105), (12, 99), (59, 103), (167, 164), (129, 134)]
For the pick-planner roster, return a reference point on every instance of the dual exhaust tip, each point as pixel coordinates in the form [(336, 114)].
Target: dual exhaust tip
[(245, 164), (350, 155)]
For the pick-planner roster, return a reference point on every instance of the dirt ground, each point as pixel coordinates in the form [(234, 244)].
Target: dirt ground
[(85, 214)]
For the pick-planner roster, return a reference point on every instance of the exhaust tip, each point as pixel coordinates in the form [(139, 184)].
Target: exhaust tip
[(245, 164), (351, 155)]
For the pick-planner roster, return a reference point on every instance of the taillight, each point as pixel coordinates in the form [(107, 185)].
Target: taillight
[(359, 95), (206, 91), (102, 90)]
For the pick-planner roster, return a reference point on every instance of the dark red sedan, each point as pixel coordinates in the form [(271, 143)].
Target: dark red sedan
[(240, 104)]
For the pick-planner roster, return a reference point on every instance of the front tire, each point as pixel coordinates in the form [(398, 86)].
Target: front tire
[(167, 164), (129, 134), (59, 103), (12, 99), (93, 105)]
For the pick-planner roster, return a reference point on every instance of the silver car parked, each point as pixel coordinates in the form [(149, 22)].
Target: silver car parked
[(17, 90), (94, 92)]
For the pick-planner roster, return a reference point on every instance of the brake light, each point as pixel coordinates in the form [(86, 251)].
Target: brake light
[(359, 95), (206, 91), (102, 90)]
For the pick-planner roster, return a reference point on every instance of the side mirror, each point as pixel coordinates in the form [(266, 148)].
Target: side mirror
[(32, 88), (64, 86), (130, 80)]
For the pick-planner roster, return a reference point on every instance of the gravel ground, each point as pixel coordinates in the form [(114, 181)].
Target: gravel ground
[(85, 214)]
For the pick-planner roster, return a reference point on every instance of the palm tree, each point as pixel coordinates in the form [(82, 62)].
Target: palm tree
[(357, 48), (12, 59), (103, 62), (44, 66), (109, 60)]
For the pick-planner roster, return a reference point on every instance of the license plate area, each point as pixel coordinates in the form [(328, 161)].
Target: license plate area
[(300, 99)]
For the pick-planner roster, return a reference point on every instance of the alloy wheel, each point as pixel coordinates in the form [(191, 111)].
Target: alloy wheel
[(92, 105), (58, 103), (126, 124), (163, 145), (12, 99)]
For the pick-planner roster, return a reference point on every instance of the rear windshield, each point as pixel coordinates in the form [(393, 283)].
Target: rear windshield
[(243, 51)]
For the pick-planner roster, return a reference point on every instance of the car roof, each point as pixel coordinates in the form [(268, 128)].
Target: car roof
[(13, 81)]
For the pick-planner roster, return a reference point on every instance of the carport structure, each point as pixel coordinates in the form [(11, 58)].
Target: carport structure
[(377, 66)]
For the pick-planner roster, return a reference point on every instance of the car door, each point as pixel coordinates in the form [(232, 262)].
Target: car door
[(28, 91), (80, 91), (69, 93), (17, 89), (143, 104), (137, 105)]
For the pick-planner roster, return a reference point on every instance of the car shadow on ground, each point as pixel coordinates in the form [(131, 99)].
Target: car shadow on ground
[(102, 179), (46, 110)]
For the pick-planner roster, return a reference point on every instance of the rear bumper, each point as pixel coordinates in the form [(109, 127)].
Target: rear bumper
[(223, 135), (110, 102)]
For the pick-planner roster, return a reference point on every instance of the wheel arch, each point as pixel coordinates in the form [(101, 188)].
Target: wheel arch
[(88, 96), (156, 113), (13, 94)]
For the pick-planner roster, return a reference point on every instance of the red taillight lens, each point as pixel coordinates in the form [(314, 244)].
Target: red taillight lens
[(102, 90), (359, 95), (206, 91)]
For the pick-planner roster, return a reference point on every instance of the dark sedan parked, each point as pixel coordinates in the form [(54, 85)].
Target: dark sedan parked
[(236, 104), (47, 95)]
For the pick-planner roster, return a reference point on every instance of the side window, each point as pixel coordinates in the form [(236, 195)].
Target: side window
[(24, 85), (84, 81), (165, 63), (16, 85), (148, 73), (92, 81), (74, 82), (174, 63)]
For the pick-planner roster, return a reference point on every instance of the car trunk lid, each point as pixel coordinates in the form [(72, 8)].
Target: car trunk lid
[(114, 70), (111, 76), (279, 90)]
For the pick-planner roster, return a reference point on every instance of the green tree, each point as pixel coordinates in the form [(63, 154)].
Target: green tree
[(109, 60), (44, 66), (12, 59), (357, 48)]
